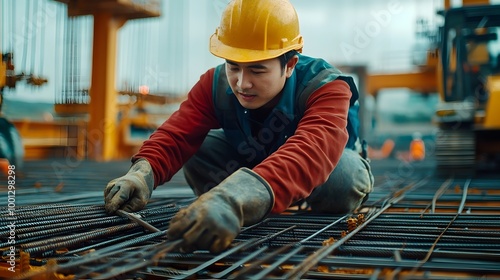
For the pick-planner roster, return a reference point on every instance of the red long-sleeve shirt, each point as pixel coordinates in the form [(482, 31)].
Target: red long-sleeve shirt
[(305, 160)]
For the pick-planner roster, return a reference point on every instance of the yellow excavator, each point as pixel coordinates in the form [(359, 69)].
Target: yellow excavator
[(468, 114)]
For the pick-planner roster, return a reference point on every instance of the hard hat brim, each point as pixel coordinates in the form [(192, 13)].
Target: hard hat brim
[(224, 51)]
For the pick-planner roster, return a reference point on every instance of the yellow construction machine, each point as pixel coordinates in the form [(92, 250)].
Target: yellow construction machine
[(11, 146), (11, 149), (468, 114)]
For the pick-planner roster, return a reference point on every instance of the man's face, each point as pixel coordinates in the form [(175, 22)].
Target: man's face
[(256, 83)]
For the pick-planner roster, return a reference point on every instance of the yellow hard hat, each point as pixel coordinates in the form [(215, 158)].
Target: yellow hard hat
[(254, 30)]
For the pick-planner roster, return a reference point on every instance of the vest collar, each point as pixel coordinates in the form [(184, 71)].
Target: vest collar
[(286, 105)]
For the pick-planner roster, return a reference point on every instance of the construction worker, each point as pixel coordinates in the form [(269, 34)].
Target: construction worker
[(417, 147), (264, 130)]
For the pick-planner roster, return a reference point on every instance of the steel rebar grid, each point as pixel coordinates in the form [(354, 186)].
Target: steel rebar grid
[(393, 243), (462, 245)]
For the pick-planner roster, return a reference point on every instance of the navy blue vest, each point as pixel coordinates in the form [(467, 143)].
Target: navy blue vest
[(309, 75)]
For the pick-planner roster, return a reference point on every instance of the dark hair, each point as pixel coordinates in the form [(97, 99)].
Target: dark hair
[(284, 58)]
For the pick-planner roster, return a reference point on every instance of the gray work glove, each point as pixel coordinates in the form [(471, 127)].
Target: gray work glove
[(132, 191), (216, 217)]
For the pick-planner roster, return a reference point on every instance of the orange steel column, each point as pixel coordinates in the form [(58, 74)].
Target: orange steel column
[(447, 4), (102, 126)]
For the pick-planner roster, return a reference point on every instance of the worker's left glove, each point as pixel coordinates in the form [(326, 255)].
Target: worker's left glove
[(216, 217)]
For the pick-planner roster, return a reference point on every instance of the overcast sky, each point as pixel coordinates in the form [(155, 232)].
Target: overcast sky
[(171, 52)]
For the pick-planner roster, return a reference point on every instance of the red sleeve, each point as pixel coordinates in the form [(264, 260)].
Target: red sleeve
[(309, 156), (181, 135)]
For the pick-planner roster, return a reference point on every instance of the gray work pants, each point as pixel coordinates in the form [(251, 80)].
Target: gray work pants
[(343, 192)]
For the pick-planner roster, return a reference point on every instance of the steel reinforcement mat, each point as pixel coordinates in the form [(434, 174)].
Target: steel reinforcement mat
[(414, 226)]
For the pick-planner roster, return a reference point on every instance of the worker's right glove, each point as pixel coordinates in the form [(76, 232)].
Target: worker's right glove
[(132, 191), (216, 217)]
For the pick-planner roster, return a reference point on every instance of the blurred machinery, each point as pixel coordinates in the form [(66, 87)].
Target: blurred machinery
[(98, 122), (463, 66), (11, 148), (467, 114), (135, 113), (8, 134)]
